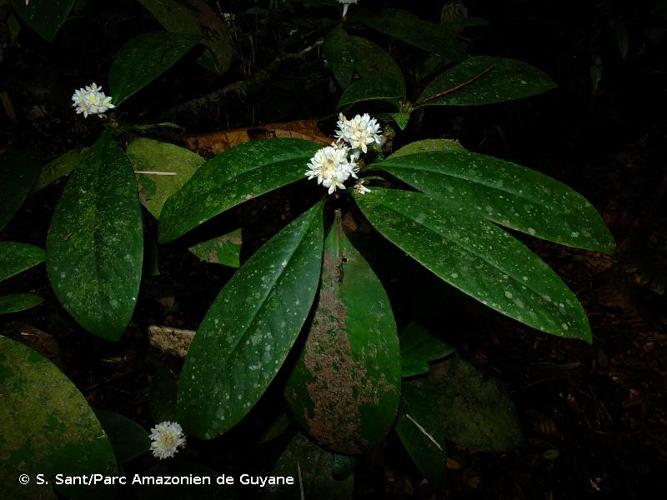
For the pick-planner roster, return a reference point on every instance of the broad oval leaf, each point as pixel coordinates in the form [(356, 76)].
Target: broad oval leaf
[(145, 58), (46, 425), (478, 258), (18, 173), (128, 439), (508, 194), (162, 169), (248, 331), (18, 257), (94, 248), (314, 471), (428, 146), (372, 61), (224, 249), (420, 430), (463, 405), (338, 50), (372, 89), (237, 175), (485, 80), (44, 16), (419, 347), (345, 386), (433, 38), (59, 167), (18, 302)]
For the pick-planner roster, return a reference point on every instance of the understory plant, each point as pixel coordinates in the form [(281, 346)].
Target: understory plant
[(307, 302)]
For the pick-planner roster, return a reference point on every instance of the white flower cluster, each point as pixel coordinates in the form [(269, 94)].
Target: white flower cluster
[(166, 439), (335, 164), (90, 100), (346, 5)]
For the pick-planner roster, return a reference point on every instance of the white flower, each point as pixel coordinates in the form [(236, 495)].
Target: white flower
[(332, 166), (90, 100), (166, 439), (360, 188), (346, 4), (359, 132)]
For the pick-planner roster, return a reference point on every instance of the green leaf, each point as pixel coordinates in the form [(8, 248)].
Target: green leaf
[(145, 58), (94, 248), (406, 27), (338, 50), (419, 347), (250, 328), (401, 119), (237, 175), (345, 386), (225, 249), (169, 167), (197, 18), (485, 80), (129, 439), (372, 89), (314, 472), (461, 403), (428, 146), (59, 167), (18, 173), (371, 61), (478, 258), (18, 302), (18, 257), (44, 16), (46, 425), (421, 432), (505, 193)]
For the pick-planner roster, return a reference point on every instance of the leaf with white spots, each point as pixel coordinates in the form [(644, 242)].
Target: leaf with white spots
[(505, 193), (94, 249), (338, 50), (233, 177), (46, 426), (478, 258), (250, 328), (485, 80), (18, 257), (44, 16), (345, 386)]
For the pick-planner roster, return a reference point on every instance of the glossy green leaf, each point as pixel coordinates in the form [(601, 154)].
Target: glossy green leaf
[(478, 258), (485, 80), (145, 58), (401, 119), (345, 386), (338, 50), (465, 405), (18, 173), (250, 328), (372, 61), (237, 175), (419, 347), (46, 425), (18, 302), (59, 167), (314, 471), (225, 249), (433, 38), (422, 434), (506, 193), (372, 89), (44, 16), (94, 248), (197, 18), (167, 168), (428, 146), (18, 257), (128, 439)]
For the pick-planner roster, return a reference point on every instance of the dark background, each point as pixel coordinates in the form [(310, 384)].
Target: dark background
[(594, 418)]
